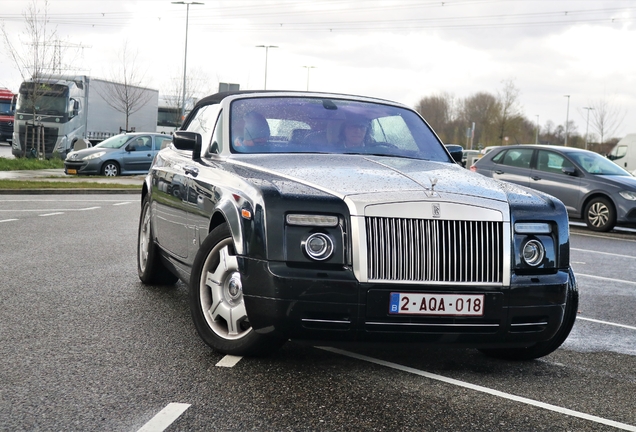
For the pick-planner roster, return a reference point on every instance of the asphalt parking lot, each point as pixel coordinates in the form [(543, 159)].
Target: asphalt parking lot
[(86, 346)]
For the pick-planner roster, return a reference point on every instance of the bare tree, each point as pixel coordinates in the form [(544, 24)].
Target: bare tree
[(124, 92), (509, 118), (173, 93), (606, 117), (480, 108), (440, 111), (34, 58)]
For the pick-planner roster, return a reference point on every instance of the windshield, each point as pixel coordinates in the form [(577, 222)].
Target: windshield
[(5, 108), (322, 125), (43, 98), (596, 164), (116, 141)]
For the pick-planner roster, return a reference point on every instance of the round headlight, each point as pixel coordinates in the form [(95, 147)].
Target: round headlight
[(318, 246), (533, 253)]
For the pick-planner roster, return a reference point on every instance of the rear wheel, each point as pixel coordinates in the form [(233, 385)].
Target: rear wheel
[(149, 266), (216, 300), (544, 348), (600, 215), (110, 169)]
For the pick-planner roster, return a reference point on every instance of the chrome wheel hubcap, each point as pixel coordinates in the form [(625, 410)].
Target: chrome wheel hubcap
[(221, 294), (598, 214)]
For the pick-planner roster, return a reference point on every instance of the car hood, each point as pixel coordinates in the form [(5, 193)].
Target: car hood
[(356, 175), (81, 154), (620, 180)]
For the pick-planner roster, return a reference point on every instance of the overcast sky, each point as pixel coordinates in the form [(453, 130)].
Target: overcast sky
[(400, 50)]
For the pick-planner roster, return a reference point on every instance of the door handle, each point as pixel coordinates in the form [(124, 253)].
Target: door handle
[(499, 172), (535, 178)]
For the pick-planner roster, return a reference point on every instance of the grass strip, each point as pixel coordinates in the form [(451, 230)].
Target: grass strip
[(29, 164)]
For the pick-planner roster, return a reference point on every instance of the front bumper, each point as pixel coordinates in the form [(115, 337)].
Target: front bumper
[(332, 306), (91, 167)]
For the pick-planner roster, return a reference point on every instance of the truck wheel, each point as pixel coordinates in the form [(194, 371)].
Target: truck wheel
[(600, 215), (110, 169), (216, 300), (149, 266), (544, 348)]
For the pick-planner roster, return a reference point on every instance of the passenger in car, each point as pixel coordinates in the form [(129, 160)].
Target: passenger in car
[(255, 131)]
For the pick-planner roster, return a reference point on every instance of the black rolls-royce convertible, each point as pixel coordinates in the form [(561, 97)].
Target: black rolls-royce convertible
[(338, 219)]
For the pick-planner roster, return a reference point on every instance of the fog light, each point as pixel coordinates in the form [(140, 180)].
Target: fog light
[(533, 253), (318, 246)]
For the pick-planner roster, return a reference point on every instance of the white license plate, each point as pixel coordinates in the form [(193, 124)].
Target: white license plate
[(437, 304)]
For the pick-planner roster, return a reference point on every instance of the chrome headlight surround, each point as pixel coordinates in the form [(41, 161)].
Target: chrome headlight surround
[(315, 238), (535, 247)]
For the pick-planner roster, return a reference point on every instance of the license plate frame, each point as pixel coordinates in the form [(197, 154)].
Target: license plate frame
[(436, 304), (71, 171)]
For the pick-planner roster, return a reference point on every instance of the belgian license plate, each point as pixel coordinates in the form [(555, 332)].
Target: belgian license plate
[(71, 171), (437, 304)]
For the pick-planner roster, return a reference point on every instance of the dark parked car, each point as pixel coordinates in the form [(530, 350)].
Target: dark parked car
[(592, 187), (128, 153), (344, 219)]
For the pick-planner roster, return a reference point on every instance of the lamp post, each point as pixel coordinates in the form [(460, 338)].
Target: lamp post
[(185, 55), (308, 67), (267, 47), (536, 138), (567, 120), (587, 124)]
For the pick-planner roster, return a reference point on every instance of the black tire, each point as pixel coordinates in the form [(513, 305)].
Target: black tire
[(111, 169), (600, 214), (216, 300), (149, 266), (542, 349)]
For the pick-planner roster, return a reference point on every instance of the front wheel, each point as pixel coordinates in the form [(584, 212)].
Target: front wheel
[(600, 214), (544, 348), (110, 169), (216, 300)]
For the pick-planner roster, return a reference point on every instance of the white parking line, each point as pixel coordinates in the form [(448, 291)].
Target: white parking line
[(165, 417), (603, 253), (8, 220), (45, 210), (605, 278), (606, 322), (486, 390), (52, 214), (229, 361), (122, 203)]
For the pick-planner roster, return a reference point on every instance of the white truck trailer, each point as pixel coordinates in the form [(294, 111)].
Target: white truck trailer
[(54, 113), (624, 153)]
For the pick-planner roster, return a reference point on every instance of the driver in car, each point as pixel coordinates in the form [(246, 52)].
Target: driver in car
[(255, 131), (354, 132)]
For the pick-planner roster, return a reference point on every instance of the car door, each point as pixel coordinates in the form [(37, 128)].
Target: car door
[(513, 165), (138, 154), (548, 176)]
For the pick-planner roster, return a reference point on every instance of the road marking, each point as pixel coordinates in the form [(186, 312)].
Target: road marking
[(229, 361), (51, 214), (122, 203), (606, 322), (603, 253), (8, 220), (486, 390), (165, 417), (603, 237), (44, 210), (605, 278)]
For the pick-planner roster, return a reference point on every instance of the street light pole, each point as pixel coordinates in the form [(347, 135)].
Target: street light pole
[(567, 120), (536, 138), (267, 47), (587, 124), (185, 55), (308, 67)]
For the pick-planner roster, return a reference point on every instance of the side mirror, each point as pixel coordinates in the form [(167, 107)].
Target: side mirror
[(456, 152), (130, 147), (571, 171), (191, 141)]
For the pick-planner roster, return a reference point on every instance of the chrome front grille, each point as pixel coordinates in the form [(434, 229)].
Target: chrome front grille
[(434, 250)]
